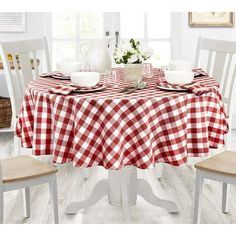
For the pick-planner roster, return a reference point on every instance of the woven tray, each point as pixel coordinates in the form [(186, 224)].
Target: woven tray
[(5, 112)]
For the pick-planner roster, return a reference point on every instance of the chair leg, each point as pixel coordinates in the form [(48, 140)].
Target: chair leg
[(197, 201), (225, 196), (53, 197), (26, 201), (1, 205), (85, 173), (158, 169), (16, 150)]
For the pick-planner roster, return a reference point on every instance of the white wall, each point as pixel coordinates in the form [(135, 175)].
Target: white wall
[(188, 36), (34, 29)]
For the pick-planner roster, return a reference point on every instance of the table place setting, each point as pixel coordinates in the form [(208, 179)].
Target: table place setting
[(194, 87), (82, 82), (183, 81), (66, 89), (180, 77)]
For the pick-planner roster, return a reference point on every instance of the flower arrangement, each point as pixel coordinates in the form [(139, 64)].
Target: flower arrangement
[(131, 52)]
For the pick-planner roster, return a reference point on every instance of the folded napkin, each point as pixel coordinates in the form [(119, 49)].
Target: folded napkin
[(194, 87), (199, 72), (197, 88), (52, 73), (65, 89)]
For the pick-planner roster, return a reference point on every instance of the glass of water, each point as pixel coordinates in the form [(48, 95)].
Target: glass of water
[(147, 70), (111, 78), (163, 69)]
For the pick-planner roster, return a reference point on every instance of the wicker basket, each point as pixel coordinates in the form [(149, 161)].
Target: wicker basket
[(5, 112)]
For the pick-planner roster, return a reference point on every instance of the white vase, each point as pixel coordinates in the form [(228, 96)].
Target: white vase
[(132, 72), (99, 58)]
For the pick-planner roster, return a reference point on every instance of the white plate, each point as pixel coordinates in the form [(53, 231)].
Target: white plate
[(87, 90), (172, 89)]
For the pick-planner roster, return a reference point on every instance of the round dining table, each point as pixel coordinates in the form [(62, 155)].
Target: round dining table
[(122, 132)]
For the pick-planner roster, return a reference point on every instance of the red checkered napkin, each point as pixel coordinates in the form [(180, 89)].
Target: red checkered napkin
[(65, 89), (197, 88), (199, 72), (194, 87), (51, 74)]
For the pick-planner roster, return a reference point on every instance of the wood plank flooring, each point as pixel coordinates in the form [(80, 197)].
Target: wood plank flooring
[(177, 184)]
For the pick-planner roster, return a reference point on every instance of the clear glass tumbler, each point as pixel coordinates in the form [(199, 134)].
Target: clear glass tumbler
[(147, 70), (111, 78)]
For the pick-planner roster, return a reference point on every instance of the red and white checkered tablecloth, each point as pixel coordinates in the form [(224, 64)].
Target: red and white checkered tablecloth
[(112, 129)]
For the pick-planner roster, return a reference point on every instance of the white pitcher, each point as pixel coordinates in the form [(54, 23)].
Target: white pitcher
[(99, 58)]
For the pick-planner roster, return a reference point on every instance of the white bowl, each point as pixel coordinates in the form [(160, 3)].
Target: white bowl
[(181, 65), (179, 77), (85, 79), (67, 67)]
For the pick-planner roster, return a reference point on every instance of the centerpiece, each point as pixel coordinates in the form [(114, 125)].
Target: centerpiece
[(131, 53)]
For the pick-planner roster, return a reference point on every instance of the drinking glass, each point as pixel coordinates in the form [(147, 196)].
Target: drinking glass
[(163, 69), (86, 68), (147, 70), (111, 78)]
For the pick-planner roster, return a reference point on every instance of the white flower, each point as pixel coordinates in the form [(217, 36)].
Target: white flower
[(140, 57), (131, 52), (126, 47), (146, 51), (133, 59), (118, 54)]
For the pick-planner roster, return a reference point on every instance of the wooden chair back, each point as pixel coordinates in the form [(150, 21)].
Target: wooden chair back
[(27, 60), (218, 58)]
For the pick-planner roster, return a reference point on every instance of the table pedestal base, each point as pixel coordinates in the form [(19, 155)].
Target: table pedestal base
[(122, 188)]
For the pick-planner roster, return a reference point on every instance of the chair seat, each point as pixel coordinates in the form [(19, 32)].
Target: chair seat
[(223, 163), (24, 168)]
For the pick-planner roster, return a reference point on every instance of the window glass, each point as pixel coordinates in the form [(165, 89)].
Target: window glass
[(132, 24), (159, 25), (64, 25), (90, 25), (63, 50)]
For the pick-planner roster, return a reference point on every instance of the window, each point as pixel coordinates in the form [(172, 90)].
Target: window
[(153, 29), (69, 29)]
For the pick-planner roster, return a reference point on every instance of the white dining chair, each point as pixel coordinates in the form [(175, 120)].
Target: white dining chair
[(218, 59), (28, 58), (220, 168), (25, 172), (220, 63)]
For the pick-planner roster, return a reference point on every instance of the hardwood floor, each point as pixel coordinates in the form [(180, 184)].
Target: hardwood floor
[(177, 184)]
